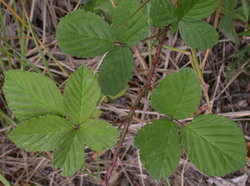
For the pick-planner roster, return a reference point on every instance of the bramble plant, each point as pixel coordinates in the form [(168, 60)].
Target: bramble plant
[(66, 123)]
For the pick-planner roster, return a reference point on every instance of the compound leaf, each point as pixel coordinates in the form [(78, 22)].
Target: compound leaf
[(162, 12), (40, 134), (130, 26), (99, 135), (69, 155), (84, 34), (96, 134), (159, 146), (195, 10), (116, 71), (198, 35), (177, 95), (81, 95), (214, 144), (30, 94)]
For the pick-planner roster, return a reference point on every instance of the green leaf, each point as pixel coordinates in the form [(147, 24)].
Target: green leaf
[(230, 4), (198, 35), (162, 12), (116, 71), (84, 34), (196, 10), (227, 28), (69, 155), (104, 5), (214, 144), (29, 94), (98, 135), (81, 95), (245, 8), (177, 95), (4, 181), (159, 146), (130, 26), (40, 134)]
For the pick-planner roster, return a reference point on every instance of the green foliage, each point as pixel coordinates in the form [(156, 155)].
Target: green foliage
[(96, 5), (44, 131), (162, 13), (230, 4), (195, 10), (227, 28), (31, 94), (84, 34), (198, 35), (188, 16), (81, 95), (130, 28), (159, 146), (177, 95), (116, 70), (40, 134), (214, 144), (4, 181), (67, 123)]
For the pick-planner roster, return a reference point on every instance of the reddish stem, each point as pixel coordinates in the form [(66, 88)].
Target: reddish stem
[(145, 89)]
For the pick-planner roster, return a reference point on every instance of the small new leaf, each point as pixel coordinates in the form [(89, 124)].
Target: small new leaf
[(40, 134), (215, 144), (177, 95), (84, 34), (116, 71), (198, 35), (130, 23), (30, 94), (81, 95), (159, 146)]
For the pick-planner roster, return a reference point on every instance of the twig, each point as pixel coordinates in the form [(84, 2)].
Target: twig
[(216, 21), (145, 89), (113, 3)]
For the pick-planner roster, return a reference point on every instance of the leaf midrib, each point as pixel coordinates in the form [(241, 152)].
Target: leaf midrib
[(211, 143)]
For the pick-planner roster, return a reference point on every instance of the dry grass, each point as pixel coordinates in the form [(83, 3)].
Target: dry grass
[(228, 97)]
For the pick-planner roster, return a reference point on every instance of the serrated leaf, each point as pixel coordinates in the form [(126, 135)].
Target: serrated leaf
[(177, 95), (198, 35), (215, 144), (40, 134), (130, 26), (69, 155), (116, 71), (227, 28), (195, 10), (84, 34), (81, 95), (159, 146), (98, 135), (29, 95), (162, 12)]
